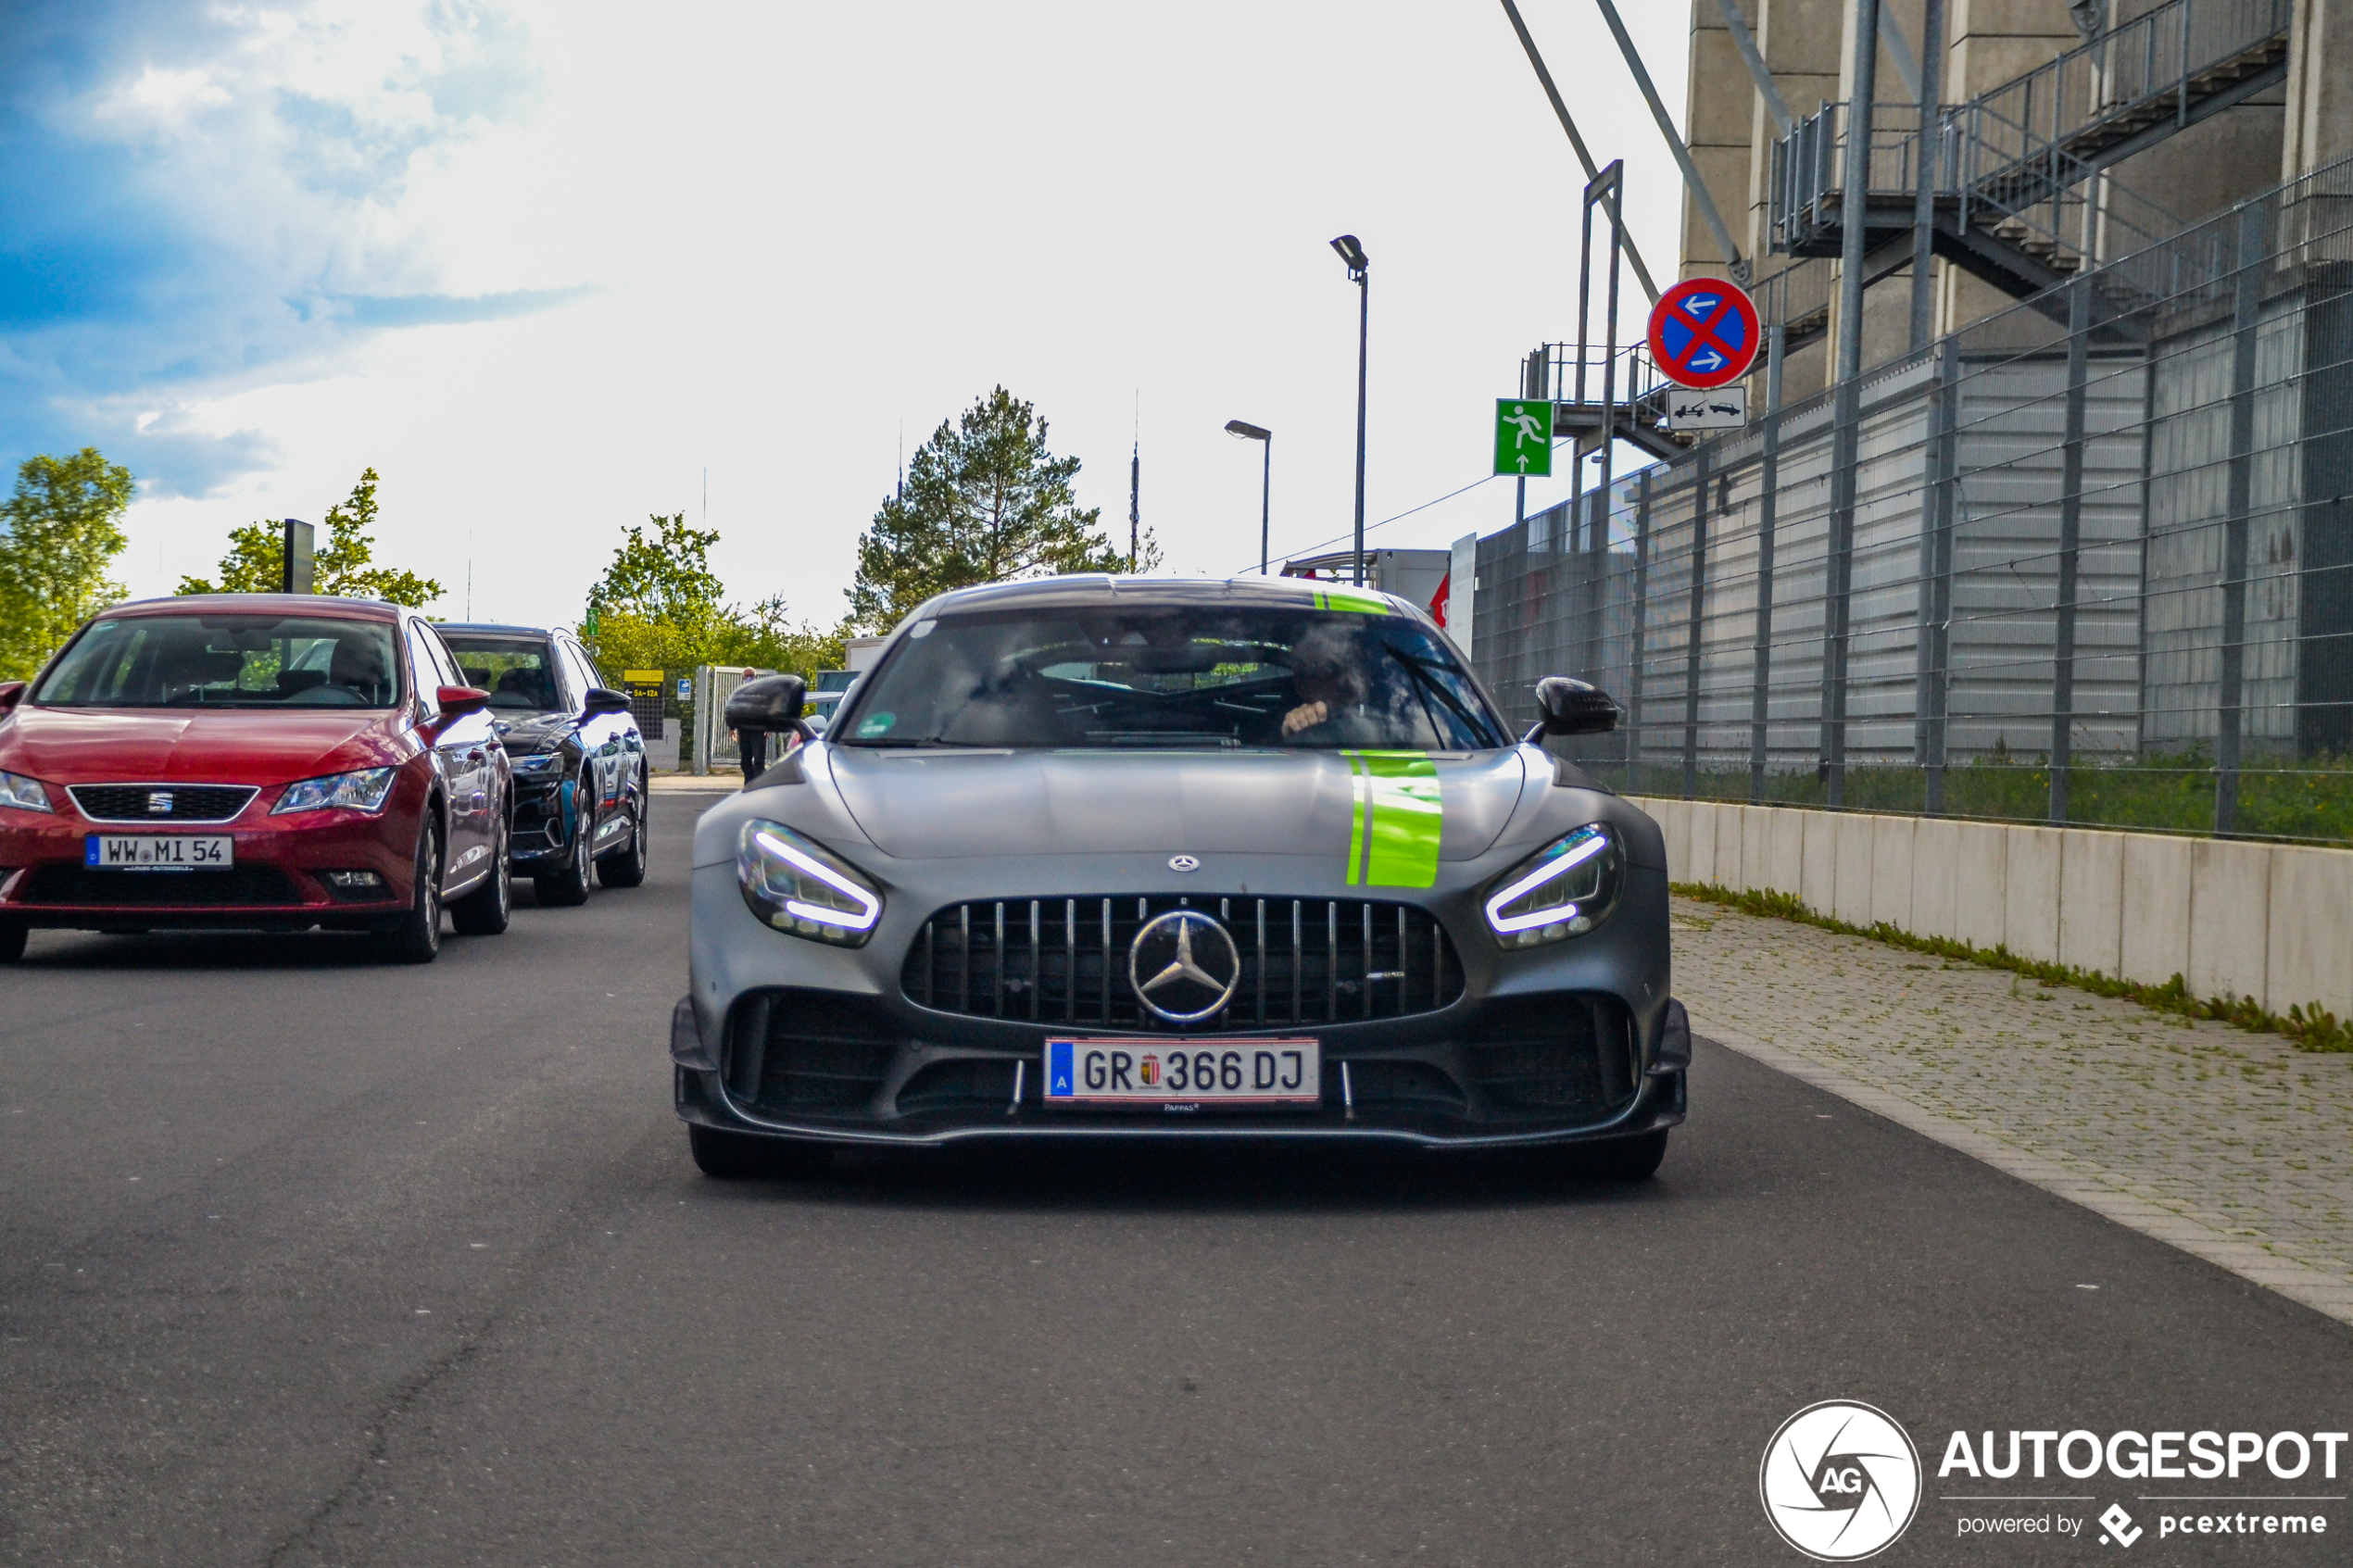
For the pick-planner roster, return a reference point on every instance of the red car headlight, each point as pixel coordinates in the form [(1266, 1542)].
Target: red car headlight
[(364, 791)]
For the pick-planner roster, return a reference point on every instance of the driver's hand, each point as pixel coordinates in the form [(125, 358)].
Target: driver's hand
[(1306, 716)]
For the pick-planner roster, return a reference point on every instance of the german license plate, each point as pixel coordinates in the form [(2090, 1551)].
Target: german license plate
[(1146, 1074), (157, 852)]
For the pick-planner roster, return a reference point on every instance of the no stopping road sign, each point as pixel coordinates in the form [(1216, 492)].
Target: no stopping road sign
[(1703, 333)]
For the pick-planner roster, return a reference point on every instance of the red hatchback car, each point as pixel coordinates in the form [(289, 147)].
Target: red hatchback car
[(253, 761)]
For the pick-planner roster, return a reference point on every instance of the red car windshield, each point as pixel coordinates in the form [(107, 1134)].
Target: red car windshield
[(225, 662)]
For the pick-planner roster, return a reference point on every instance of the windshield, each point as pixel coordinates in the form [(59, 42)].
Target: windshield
[(516, 672), (1171, 677), (225, 662)]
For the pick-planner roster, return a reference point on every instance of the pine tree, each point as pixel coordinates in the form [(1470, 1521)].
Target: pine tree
[(984, 501)]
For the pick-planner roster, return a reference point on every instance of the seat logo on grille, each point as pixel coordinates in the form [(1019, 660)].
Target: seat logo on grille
[(1192, 962), (159, 803)]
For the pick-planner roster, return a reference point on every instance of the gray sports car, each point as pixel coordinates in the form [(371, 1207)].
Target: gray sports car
[(1094, 857)]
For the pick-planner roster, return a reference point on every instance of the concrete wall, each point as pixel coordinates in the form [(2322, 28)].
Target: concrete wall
[(2271, 922)]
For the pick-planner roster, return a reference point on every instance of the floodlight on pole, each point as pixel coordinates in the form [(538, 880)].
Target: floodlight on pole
[(1360, 273), (1248, 431)]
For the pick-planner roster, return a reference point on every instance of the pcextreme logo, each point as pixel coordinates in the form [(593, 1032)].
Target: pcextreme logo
[(1839, 1481)]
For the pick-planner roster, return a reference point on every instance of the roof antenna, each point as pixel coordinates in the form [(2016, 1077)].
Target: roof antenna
[(1136, 486)]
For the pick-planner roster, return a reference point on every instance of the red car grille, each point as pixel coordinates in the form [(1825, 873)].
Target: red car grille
[(182, 803), (79, 887)]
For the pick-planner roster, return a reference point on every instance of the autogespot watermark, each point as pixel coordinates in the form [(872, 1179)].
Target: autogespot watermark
[(1841, 1481)]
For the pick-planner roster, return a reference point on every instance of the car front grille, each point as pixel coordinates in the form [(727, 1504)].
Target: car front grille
[(78, 887), (1065, 960), (182, 803)]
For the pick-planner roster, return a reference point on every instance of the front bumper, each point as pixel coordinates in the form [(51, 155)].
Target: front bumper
[(920, 1036), (1528, 1069), (277, 881)]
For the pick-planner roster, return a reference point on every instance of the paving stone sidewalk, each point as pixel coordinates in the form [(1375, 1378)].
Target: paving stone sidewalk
[(2233, 1146)]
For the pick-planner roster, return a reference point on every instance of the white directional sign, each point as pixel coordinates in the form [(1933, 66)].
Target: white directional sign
[(1723, 407)]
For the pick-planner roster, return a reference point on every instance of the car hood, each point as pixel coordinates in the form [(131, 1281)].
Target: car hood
[(1382, 810), (532, 732), (127, 745)]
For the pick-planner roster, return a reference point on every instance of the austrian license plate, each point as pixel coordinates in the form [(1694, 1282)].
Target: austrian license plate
[(1145, 1073), (157, 852)]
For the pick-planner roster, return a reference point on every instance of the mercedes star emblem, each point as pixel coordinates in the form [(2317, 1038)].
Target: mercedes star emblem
[(1192, 962), (1184, 862)]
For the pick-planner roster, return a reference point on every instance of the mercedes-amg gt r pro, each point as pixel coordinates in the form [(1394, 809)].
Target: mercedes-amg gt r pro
[(1108, 857)]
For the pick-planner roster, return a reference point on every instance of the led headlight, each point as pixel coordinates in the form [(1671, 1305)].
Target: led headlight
[(1566, 891), (24, 794), (363, 791), (537, 763), (797, 885)]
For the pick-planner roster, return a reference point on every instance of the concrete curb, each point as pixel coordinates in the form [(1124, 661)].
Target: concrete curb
[(2085, 1187)]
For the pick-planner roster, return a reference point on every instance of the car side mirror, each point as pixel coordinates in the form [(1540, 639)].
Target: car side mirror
[(1572, 707), (456, 702), (772, 702), (604, 699), (11, 693)]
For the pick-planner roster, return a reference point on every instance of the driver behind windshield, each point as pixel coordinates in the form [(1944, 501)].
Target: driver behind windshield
[(1266, 677)]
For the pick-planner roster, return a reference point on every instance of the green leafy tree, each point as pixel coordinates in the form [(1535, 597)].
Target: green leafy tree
[(984, 501), (666, 578), (660, 606), (63, 528), (343, 567)]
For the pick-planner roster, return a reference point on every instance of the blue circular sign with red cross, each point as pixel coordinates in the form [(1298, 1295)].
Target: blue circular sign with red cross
[(1703, 333)]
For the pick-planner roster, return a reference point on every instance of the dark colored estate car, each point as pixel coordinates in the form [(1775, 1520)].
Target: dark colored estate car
[(252, 761), (579, 759), (1113, 856)]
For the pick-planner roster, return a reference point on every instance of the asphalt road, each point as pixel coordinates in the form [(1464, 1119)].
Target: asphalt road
[(305, 1261)]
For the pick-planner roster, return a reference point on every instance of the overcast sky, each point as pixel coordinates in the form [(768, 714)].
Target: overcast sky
[(543, 264)]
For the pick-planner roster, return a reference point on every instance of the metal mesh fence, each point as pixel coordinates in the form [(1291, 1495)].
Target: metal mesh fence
[(2089, 560)]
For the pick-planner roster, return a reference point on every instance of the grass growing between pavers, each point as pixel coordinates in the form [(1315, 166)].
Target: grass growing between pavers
[(2312, 1028)]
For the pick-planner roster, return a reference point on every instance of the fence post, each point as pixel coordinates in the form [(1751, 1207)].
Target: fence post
[(1845, 442), (2245, 317), (2078, 340), (1761, 665), (1697, 613), (1943, 475), (1642, 601)]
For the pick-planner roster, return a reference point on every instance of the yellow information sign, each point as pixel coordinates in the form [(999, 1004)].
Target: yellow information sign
[(641, 677)]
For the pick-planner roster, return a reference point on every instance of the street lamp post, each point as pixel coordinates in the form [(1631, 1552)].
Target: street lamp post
[(1249, 431), (1360, 273)]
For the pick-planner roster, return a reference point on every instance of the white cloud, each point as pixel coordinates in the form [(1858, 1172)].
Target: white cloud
[(806, 224)]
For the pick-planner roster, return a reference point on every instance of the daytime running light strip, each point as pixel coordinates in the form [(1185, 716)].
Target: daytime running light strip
[(1535, 879), (831, 878)]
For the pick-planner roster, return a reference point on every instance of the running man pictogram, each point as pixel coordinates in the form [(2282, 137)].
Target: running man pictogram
[(1522, 436)]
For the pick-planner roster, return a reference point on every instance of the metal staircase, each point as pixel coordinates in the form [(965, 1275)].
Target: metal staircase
[(2022, 192)]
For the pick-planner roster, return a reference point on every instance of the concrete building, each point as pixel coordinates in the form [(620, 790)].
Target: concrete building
[(2016, 74)]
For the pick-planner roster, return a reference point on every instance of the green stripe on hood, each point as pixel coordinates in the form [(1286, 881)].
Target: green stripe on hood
[(1393, 832)]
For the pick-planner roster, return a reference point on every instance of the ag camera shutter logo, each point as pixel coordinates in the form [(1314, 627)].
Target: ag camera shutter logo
[(1839, 1481)]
